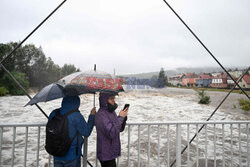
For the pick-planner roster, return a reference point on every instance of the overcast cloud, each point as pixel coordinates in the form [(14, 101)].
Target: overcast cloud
[(132, 36)]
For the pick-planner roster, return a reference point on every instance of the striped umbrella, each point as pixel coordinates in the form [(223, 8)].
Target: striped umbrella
[(91, 81), (79, 83)]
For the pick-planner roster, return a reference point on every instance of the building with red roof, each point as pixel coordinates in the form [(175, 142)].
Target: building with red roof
[(189, 80), (176, 80), (245, 82), (219, 81), (204, 80)]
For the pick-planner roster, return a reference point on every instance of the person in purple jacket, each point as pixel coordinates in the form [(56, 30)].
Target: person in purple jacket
[(108, 127)]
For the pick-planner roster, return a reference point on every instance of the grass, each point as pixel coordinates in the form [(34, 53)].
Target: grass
[(244, 104), (214, 89), (223, 90)]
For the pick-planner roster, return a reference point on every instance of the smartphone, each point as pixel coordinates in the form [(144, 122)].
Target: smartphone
[(126, 106)]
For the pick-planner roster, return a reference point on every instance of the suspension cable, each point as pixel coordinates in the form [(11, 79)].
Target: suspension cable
[(22, 88), (205, 47), (39, 25), (184, 149), (12, 77)]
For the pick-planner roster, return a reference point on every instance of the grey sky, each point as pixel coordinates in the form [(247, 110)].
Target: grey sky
[(133, 35)]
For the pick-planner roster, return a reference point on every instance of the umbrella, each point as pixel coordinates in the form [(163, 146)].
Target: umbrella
[(79, 83), (91, 81), (50, 92)]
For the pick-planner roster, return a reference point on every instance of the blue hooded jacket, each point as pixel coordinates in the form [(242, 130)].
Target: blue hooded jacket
[(76, 122)]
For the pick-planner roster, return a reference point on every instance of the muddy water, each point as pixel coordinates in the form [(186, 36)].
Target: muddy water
[(169, 104)]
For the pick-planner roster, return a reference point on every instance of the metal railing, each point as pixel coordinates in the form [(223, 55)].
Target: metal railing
[(220, 143), (179, 135)]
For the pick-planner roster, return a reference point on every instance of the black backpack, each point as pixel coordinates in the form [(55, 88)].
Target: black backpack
[(57, 141)]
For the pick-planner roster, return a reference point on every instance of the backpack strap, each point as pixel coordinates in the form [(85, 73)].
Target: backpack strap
[(77, 143), (58, 112), (76, 135), (70, 112)]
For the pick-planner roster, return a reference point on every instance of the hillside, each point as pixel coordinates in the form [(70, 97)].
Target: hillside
[(196, 70)]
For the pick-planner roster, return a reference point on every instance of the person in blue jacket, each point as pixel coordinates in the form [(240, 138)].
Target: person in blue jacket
[(76, 122)]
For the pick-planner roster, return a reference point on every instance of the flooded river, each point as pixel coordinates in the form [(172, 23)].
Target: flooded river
[(168, 104)]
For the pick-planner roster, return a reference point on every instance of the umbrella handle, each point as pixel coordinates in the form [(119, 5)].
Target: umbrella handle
[(94, 94)]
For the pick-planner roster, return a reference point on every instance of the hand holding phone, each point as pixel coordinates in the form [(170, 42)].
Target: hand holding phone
[(124, 111), (126, 106)]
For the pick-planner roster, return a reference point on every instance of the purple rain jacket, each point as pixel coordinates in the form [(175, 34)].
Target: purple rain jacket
[(108, 127)]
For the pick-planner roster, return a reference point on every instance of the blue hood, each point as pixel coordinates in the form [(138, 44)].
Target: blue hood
[(70, 103)]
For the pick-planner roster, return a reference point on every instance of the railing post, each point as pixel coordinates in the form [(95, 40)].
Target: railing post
[(139, 147), (85, 151), (128, 145), (148, 145), (49, 161), (26, 145), (38, 146), (168, 145), (158, 150), (178, 145), (1, 141), (118, 162), (96, 160), (248, 159), (13, 146)]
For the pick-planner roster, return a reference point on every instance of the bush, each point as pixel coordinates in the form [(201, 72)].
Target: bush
[(3, 91), (13, 89), (204, 99), (234, 105), (244, 104)]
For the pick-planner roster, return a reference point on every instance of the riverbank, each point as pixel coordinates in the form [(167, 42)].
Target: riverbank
[(146, 105), (213, 89), (230, 105)]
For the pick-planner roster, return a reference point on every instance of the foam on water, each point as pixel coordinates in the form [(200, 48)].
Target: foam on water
[(145, 106)]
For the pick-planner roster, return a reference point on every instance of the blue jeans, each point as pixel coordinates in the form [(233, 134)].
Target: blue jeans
[(67, 163)]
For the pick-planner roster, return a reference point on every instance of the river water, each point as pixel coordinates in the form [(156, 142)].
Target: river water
[(152, 105)]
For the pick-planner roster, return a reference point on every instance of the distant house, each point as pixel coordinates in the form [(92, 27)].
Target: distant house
[(245, 82), (176, 80), (236, 74), (204, 80), (219, 81), (189, 80), (230, 82), (215, 74)]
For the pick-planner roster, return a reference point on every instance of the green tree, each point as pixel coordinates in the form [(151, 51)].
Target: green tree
[(162, 78), (3, 91), (204, 99), (69, 69), (10, 62), (31, 60), (11, 86), (53, 71), (37, 73)]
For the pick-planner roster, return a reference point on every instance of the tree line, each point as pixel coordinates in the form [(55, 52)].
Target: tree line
[(29, 65), (157, 81)]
